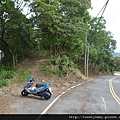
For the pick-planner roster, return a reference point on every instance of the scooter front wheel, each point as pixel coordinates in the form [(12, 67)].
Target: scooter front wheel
[(24, 93)]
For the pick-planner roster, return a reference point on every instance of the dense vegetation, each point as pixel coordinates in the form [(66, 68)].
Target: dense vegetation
[(63, 27)]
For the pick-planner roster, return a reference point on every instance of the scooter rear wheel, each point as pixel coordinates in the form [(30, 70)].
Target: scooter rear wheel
[(24, 93), (47, 95)]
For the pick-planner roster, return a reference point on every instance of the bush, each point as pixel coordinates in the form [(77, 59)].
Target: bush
[(58, 65), (3, 82), (55, 60), (5, 76), (23, 75)]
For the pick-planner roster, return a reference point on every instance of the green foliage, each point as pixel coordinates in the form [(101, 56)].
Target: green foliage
[(3, 83), (61, 60), (55, 60), (58, 65), (23, 75), (59, 27), (102, 46), (5, 76), (47, 70), (117, 63), (14, 32)]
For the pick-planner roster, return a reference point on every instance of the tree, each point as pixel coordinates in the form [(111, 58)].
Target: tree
[(15, 32), (102, 45), (61, 25), (117, 61)]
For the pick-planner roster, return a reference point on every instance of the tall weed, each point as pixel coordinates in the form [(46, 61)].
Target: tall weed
[(5, 76)]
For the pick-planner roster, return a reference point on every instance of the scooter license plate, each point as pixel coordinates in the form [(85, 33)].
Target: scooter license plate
[(50, 90)]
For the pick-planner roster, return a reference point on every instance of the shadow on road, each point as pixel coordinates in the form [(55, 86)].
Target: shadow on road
[(29, 97)]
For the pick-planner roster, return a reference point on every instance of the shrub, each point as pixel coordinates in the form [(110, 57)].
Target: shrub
[(5, 76), (23, 75), (58, 65), (3, 82)]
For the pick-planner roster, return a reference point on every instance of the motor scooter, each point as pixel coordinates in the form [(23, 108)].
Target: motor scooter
[(42, 90)]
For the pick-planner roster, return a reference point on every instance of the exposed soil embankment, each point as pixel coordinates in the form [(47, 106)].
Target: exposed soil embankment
[(11, 93)]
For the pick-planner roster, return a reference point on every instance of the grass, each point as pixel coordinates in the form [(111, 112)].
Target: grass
[(51, 70), (10, 76), (23, 75), (5, 76), (3, 83)]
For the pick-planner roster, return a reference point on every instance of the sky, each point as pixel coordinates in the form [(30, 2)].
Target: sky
[(111, 16)]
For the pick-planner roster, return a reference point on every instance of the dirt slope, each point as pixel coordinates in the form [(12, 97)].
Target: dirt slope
[(11, 93)]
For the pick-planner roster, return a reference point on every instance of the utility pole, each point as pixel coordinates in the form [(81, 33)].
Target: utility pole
[(85, 54), (86, 61), (87, 58)]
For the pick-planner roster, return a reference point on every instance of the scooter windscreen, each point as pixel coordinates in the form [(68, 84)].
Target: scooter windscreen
[(29, 84)]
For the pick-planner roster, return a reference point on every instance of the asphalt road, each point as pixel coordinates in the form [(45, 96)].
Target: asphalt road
[(30, 105), (99, 96)]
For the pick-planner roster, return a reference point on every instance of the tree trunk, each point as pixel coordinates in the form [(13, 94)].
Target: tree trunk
[(14, 60)]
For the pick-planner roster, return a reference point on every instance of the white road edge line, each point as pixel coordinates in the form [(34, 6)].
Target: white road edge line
[(62, 94), (72, 87), (50, 105), (69, 89), (104, 103)]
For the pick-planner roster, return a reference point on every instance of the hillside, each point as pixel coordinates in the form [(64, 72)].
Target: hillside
[(116, 54), (11, 93)]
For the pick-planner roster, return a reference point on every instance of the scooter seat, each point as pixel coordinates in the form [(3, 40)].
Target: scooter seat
[(39, 85)]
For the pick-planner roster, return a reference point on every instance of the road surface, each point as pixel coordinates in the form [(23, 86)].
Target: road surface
[(99, 96)]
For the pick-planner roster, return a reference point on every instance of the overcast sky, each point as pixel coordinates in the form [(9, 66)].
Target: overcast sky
[(111, 16)]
